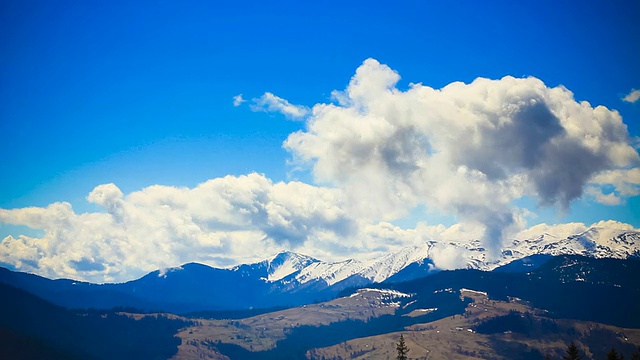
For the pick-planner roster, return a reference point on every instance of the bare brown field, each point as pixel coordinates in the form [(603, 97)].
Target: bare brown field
[(454, 338), (260, 333)]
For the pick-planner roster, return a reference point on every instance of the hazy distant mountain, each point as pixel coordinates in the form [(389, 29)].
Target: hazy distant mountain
[(288, 278)]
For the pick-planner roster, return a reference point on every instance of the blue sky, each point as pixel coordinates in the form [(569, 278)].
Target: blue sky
[(141, 93)]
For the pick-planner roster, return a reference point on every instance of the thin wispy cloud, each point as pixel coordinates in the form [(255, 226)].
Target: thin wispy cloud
[(272, 103), (632, 97)]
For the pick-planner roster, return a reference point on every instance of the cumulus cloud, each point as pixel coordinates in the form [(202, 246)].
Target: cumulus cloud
[(559, 231), (221, 222), (613, 186), (448, 257), (625, 181), (109, 197), (238, 100), (465, 149), (241, 218), (606, 228), (271, 103), (633, 96)]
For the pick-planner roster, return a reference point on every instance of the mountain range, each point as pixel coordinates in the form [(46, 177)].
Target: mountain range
[(542, 293), (452, 314), (290, 279)]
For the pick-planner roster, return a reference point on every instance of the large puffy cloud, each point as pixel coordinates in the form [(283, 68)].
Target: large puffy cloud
[(221, 222), (465, 149)]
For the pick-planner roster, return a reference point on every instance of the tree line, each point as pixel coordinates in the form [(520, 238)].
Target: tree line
[(572, 352)]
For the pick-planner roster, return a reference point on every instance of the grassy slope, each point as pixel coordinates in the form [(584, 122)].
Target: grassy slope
[(450, 338)]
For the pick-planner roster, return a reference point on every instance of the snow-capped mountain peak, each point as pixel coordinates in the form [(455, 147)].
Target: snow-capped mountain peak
[(286, 263), (296, 271), (380, 269), (330, 272), (596, 242)]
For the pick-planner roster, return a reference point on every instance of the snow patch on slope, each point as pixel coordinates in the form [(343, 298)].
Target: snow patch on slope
[(383, 292), (598, 242), (331, 273), (380, 269), (375, 270), (473, 292)]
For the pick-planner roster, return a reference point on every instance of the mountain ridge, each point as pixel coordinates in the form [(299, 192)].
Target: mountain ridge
[(289, 279)]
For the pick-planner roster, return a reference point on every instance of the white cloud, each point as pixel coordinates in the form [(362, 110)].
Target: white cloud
[(238, 100), (559, 231), (606, 229), (613, 186), (221, 222), (604, 198), (448, 257), (633, 96), (465, 149), (271, 103), (613, 225), (625, 181), (19, 252), (224, 220), (109, 197)]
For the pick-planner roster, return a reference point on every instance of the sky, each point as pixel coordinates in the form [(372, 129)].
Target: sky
[(148, 134)]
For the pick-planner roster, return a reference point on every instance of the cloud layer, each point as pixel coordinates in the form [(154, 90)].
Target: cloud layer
[(221, 222), (376, 152)]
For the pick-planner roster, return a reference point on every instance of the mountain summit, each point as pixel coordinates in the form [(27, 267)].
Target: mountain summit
[(286, 263)]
